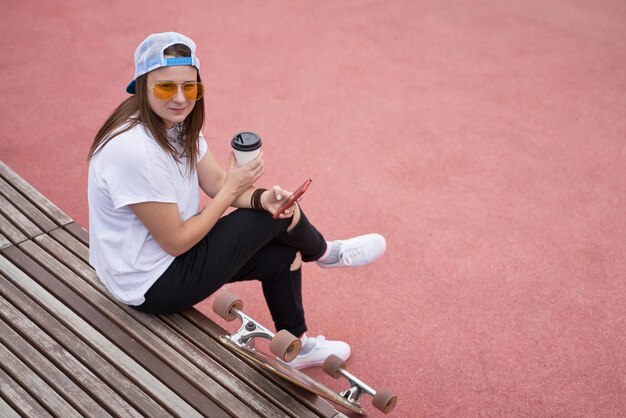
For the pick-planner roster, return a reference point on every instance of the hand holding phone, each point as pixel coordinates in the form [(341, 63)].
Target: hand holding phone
[(292, 199)]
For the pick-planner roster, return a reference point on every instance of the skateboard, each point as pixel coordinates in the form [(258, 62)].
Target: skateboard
[(286, 347)]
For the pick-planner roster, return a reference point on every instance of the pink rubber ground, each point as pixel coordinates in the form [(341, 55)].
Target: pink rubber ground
[(484, 139)]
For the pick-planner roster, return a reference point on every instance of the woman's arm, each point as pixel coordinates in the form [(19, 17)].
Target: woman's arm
[(173, 234), (212, 176), (176, 236)]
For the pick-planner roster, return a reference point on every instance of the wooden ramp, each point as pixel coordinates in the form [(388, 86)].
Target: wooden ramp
[(68, 349)]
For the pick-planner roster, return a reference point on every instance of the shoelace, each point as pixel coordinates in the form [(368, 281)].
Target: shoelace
[(347, 255), (319, 340)]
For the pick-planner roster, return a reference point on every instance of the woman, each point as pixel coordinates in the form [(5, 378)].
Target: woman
[(149, 244)]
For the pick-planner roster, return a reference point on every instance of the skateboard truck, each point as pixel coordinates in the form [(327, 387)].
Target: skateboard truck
[(383, 399), (283, 344), (286, 347), (249, 330)]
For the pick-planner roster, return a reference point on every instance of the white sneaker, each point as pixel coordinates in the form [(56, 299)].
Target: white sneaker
[(354, 252), (321, 349)]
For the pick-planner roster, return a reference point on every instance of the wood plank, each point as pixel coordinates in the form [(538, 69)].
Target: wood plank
[(37, 341), (33, 195), (34, 385), (18, 219), (306, 406), (4, 241), (18, 399), (169, 370), (71, 243), (277, 395), (10, 231), (49, 373), (6, 411), (119, 315), (92, 360), (77, 263), (26, 207), (78, 232), (212, 330), (64, 253), (97, 341), (237, 386), (239, 370)]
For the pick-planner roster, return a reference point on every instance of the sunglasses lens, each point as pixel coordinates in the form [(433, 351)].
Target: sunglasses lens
[(165, 91), (193, 91)]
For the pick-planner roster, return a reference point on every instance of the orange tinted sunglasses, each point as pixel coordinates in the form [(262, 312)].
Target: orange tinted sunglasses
[(165, 90)]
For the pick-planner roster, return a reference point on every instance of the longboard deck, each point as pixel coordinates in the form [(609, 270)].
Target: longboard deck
[(292, 375)]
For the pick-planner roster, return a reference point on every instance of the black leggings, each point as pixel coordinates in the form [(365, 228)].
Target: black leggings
[(244, 245)]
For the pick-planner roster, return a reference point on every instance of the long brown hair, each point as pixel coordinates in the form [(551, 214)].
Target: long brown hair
[(136, 110)]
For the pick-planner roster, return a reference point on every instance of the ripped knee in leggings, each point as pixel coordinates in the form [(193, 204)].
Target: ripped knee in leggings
[(297, 262)]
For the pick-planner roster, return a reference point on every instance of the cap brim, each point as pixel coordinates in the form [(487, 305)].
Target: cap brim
[(131, 87)]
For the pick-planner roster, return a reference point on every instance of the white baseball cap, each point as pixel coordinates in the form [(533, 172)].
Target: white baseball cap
[(149, 54)]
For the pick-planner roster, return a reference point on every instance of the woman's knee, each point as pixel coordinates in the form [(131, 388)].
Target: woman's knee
[(297, 262), (295, 218)]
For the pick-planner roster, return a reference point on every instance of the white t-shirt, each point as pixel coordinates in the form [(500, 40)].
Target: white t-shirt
[(133, 168)]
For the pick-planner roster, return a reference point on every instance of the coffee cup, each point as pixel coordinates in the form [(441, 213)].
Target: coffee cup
[(246, 145)]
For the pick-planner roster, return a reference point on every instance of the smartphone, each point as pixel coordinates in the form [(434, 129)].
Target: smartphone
[(292, 199)]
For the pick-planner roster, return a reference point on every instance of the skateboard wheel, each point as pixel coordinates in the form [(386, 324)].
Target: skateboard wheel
[(285, 346), (384, 400), (332, 366), (223, 304)]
